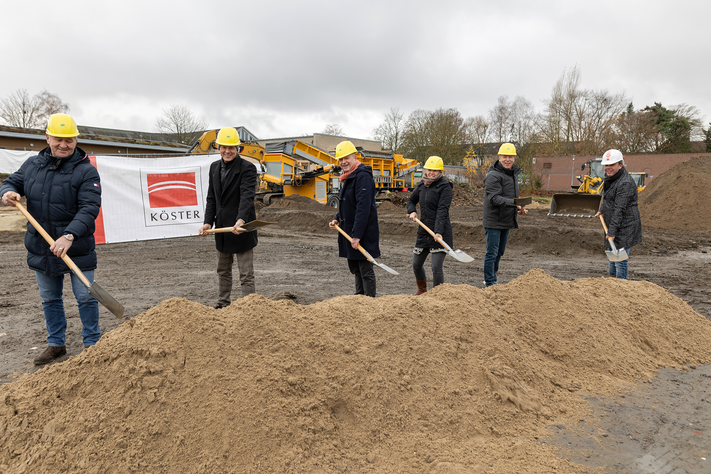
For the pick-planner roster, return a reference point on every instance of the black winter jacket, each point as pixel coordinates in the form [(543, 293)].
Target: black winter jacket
[(224, 205), (500, 189), (358, 215), (65, 199), (434, 212), (620, 211)]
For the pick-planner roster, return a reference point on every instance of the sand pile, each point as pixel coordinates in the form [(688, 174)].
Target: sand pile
[(679, 198), (459, 380), (298, 202)]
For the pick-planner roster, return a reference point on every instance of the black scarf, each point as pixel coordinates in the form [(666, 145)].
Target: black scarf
[(611, 179)]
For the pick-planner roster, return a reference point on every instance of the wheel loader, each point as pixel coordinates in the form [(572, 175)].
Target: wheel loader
[(584, 201)]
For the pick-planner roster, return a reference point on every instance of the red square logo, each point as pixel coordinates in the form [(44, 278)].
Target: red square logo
[(171, 190)]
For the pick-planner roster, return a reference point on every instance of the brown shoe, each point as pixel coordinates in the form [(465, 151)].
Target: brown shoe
[(421, 287), (51, 353)]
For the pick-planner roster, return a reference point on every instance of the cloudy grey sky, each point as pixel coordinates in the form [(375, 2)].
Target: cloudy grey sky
[(284, 68)]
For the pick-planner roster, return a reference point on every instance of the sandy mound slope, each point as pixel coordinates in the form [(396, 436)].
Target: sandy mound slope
[(457, 380), (680, 198)]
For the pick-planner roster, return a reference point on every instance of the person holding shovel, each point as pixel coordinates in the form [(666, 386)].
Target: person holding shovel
[(619, 210), (230, 202), (434, 194), (63, 193), (500, 190), (358, 217)]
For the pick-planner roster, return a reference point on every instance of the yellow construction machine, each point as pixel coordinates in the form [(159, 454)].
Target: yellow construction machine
[(296, 168), (585, 200)]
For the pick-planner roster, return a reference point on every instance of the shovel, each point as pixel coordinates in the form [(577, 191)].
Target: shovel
[(457, 254), (367, 255), (613, 255), (248, 227), (95, 290)]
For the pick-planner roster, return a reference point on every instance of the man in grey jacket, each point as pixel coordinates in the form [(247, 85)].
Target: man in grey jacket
[(619, 209), (500, 188)]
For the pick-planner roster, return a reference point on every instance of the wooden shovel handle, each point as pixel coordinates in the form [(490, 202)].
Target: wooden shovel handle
[(350, 239), (441, 241), (604, 226), (224, 229), (50, 241)]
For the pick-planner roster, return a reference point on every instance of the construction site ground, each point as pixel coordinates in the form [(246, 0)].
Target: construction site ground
[(656, 420)]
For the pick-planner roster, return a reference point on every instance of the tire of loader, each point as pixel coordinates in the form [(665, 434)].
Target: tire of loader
[(574, 205), (334, 201)]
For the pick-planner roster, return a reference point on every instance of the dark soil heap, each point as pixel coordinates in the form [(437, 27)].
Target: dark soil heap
[(463, 196), (457, 380), (679, 198)]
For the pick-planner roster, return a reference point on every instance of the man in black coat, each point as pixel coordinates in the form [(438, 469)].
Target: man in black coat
[(500, 188), (358, 217), (619, 209), (63, 193), (230, 203)]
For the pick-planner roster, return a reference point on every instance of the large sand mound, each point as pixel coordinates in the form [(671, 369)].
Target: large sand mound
[(680, 198), (459, 380)]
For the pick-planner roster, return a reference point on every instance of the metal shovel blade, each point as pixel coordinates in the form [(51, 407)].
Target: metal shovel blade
[(372, 260), (616, 255), (459, 255), (108, 301), (385, 267)]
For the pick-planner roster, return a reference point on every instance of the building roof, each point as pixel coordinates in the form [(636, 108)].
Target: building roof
[(98, 136)]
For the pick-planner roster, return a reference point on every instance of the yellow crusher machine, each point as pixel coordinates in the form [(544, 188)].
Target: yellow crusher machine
[(293, 167)]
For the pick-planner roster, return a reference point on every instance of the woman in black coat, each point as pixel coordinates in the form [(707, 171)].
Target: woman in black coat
[(434, 194)]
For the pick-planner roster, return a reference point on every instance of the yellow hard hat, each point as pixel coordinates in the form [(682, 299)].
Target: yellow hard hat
[(507, 149), (228, 136), (434, 163), (62, 125), (344, 149)]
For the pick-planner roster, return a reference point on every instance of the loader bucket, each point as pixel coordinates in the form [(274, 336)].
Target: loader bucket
[(574, 205)]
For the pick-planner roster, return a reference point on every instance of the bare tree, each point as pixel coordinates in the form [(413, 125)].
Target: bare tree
[(21, 110), (390, 131), (477, 130), (579, 121), (334, 129), (447, 135), (180, 124), (416, 135)]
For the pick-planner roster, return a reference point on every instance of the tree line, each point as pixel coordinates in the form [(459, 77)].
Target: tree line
[(574, 121)]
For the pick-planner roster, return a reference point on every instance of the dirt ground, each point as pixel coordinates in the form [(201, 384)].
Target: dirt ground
[(296, 260), (642, 423)]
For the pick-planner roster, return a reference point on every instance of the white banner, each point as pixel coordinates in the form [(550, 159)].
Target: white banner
[(149, 198), (10, 160)]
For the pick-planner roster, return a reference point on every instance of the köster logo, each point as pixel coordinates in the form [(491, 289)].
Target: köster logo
[(172, 196), (171, 190)]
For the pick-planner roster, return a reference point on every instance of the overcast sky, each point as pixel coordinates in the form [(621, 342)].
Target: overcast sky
[(284, 68)]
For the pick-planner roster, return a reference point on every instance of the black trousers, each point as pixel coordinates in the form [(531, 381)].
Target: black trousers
[(364, 277)]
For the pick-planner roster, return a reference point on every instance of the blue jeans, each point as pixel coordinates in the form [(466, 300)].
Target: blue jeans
[(50, 288), (618, 269), (495, 246)]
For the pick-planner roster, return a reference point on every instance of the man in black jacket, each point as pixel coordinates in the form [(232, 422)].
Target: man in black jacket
[(230, 203), (619, 209), (63, 193), (358, 217), (500, 187)]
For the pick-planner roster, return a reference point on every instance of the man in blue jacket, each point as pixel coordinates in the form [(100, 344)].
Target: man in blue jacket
[(64, 196), (500, 189), (358, 217)]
